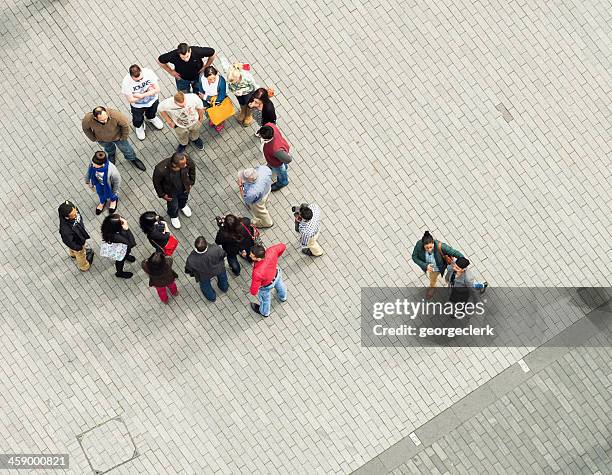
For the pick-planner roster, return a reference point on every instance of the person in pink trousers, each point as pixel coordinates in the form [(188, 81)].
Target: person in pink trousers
[(161, 276)]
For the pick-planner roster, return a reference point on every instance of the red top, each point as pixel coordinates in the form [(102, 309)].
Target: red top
[(264, 271), (277, 143)]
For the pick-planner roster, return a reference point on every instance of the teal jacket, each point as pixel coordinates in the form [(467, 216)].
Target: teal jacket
[(418, 256)]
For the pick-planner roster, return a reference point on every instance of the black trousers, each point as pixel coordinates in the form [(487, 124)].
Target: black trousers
[(119, 264), (139, 113)]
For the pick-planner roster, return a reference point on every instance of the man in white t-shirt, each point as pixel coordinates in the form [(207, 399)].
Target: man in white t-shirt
[(141, 89), (184, 113)]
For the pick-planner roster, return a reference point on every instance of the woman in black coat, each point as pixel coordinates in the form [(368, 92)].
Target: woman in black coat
[(262, 107), (236, 237), (159, 269), (156, 230), (115, 230)]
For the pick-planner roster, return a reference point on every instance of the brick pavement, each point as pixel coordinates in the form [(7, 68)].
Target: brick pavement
[(391, 110)]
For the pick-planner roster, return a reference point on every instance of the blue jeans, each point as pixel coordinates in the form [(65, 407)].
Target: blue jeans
[(111, 149), (265, 293), (179, 201), (186, 85), (209, 292), (234, 264), (282, 178)]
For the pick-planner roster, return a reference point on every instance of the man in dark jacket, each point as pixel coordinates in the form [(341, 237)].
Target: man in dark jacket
[(205, 262), (73, 233), (173, 179)]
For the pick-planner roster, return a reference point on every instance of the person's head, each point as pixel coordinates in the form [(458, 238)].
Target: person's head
[(67, 210), (266, 133), (233, 226), (110, 226), (135, 72), (234, 75), (306, 213), (257, 253), (428, 242), (200, 244), (156, 262), (210, 73), (460, 264), (258, 98), (184, 51), (178, 161), (148, 220), (249, 175), (100, 114), (99, 159), (179, 99)]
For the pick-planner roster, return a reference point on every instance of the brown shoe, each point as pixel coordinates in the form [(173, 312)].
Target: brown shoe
[(248, 118), (241, 115)]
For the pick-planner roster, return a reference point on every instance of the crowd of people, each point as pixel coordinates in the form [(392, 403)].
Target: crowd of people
[(202, 94)]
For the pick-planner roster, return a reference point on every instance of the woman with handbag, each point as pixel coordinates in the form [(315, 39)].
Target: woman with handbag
[(214, 92), (115, 230), (159, 269), (236, 236), (242, 84), (158, 233), (433, 256), (262, 107)]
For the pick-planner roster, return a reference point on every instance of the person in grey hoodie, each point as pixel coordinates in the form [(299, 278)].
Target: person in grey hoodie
[(205, 262), (106, 179)]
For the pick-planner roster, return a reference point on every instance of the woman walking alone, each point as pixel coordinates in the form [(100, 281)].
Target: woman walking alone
[(161, 276), (115, 229), (241, 83)]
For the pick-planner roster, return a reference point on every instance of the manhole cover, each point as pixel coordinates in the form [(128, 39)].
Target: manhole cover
[(108, 445)]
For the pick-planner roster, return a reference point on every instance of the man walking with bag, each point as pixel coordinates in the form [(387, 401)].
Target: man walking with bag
[(172, 180), (73, 234), (267, 276), (308, 219)]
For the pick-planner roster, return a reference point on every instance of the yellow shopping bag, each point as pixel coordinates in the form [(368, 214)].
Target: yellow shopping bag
[(222, 112)]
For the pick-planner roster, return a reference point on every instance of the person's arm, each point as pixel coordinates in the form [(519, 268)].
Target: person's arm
[(269, 113), (255, 283), (88, 181), (157, 182), (282, 156), (417, 260), (163, 61), (304, 236), (115, 178), (191, 170), (204, 51), (201, 113), (449, 251), (123, 124), (68, 238), (87, 128), (167, 119), (221, 90)]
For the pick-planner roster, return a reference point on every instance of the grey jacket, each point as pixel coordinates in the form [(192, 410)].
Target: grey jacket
[(465, 280), (206, 265), (114, 177)]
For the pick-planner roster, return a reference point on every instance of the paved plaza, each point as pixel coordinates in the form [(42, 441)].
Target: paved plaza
[(487, 123)]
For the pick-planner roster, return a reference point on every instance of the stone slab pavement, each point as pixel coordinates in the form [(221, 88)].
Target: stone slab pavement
[(397, 113)]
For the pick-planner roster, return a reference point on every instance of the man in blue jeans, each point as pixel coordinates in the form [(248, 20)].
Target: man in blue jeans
[(110, 128), (267, 276), (205, 262), (275, 150), (188, 62)]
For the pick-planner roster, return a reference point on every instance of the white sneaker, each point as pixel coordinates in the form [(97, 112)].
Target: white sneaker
[(157, 123), (140, 132), (175, 223), (186, 211)]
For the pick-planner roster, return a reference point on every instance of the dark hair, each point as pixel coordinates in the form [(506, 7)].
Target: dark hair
[(261, 94), (258, 251), (427, 238), (99, 157), (156, 263), (148, 219), (266, 132), (178, 157), (65, 208), (462, 262), (135, 70), (209, 71), (200, 243), (233, 227), (182, 48), (98, 110), (306, 213), (110, 226)]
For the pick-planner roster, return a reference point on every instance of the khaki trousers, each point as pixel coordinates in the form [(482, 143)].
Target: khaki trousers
[(184, 135), (81, 258), (314, 247), (433, 278), (261, 216)]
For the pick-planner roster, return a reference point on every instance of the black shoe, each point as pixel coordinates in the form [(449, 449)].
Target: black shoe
[(235, 272), (308, 252), (198, 144), (130, 259), (255, 308), (276, 186), (99, 210), (138, 164), (89, 255), (482, 291), (124, 275), (181, 148)]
